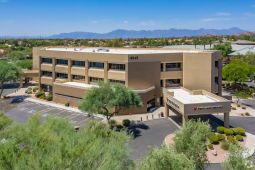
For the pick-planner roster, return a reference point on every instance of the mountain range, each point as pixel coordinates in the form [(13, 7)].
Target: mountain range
[(122, 33)]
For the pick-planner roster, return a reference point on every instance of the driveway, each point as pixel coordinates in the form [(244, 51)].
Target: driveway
[(151, 134)]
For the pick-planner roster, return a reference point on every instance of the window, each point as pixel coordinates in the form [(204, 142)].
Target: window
[(173, 82), (120, 67), (78, 77), (216, 80), (47, 60), (62, 75), (62, 62), (161, 67), (78, 63), (217, 64), (46, 73), (116, 81), (95, 80), (96, 65), (151, 105), (161, 83), (173, 66)]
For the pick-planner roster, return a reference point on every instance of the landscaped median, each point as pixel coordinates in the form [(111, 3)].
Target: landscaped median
[(218, 143)]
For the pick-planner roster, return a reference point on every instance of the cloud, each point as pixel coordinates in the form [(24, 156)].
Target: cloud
[(223, 14), (125, 22), (249, 14), (209, 19)]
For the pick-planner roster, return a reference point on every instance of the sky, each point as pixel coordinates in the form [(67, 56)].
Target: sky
[(47, 17)]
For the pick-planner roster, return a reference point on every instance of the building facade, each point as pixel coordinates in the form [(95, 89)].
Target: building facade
[(70, 72)]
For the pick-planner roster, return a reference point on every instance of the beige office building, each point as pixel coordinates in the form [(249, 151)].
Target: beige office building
[(70, 72)]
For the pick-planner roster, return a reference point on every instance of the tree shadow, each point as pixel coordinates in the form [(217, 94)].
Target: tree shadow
[(135, 129)]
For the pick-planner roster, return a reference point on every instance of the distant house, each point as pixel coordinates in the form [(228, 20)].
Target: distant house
[(242, 50), (244, 42)]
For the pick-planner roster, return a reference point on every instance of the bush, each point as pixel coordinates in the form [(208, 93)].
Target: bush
[(214, 139), (119, 127), (67, 104), (244, 107), (220, 129), (28, 91), (225, 145), (210, 146), (233, 108), (112, 123), (228, 131), (221, 137), (240, 131), (238, 105), (49, 97), (40, 95), (35, 89), (231, 139), (126, 122), (247, 114), (242, 114), (239, 138)]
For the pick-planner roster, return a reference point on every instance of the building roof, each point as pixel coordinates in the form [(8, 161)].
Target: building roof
[(121, 50), (242, 50), (82, 85), (244, 42)]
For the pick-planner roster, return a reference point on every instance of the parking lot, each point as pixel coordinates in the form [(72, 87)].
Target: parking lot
[(26, 109)]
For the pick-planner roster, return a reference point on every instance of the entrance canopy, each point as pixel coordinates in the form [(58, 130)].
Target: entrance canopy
[(195, 102)]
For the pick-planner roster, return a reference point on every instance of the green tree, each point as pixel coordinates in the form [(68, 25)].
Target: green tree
[(166, 158), (25, 64), (53, 144), (8, 72), (108, 99), (190, 140), (237, 71), (225, 48), (236, 160)]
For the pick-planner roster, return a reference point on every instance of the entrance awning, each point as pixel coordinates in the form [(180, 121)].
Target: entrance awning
[(196, 102)]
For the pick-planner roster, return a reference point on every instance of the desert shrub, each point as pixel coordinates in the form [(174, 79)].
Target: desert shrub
[(28, 91), (126, 122), (40, 95), (247, 114), (228, 131), (67, 104), (233, 108), (35, 89), (220, 129), (112, 123), (238, 105), (231, 139), (221, 137), (242, 114), (119, 127), (239, 138), (243, 107), (240, 131), (49, 97), (225, 145), (210, 146), (213, 139)]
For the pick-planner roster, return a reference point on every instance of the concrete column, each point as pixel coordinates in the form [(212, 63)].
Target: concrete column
[(166, 110), (53, 69), (164, 83), (184, 119), (87, 72), (226, 120), (126, 74), (106, 71), (164, 67), (40, 72), (69, 69)]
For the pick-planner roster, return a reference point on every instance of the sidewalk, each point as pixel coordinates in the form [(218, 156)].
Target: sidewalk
[(141, 117)]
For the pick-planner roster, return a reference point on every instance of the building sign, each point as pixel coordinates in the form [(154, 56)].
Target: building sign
[(202, 108), (133, 57)]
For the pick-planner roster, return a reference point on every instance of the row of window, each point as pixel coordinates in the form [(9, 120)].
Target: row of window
[(171, 66), (79, 77)]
